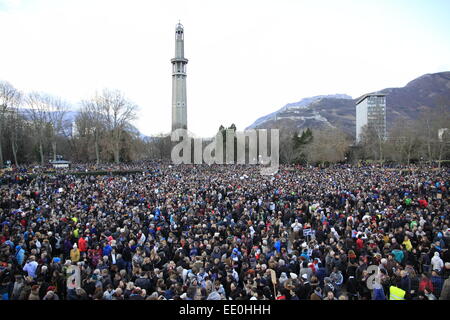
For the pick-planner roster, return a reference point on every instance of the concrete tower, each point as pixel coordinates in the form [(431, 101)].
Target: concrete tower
[(179, 104)]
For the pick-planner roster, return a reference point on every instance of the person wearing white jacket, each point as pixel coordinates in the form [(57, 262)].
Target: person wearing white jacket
[(436, 262)]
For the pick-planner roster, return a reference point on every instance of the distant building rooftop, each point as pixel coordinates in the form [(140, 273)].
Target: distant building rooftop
[(376, 94), (59, 161)]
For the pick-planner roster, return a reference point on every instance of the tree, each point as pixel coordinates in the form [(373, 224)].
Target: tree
[(56, 113), (373, 142), (288, 153), (300, 142), (329, 145), (38, 105), (16, 132), (118, 112), (39, 128), (160, 146), (434, 148), (10, 98), (403, 141), (91, 121)]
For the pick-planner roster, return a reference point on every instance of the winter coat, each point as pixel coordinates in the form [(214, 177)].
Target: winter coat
[(17, 289), (143, 283), (306, 271), (405, 284), (75, 255), (445, 293), (82, 244), (437, 285), (378, 294), (34, 295), (25, 292), (398, 255), (437, 262), (20, 255), (426, 284), (30, 268), (107, 250)]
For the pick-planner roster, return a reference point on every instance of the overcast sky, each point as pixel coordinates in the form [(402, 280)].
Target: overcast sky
[(246, 58)]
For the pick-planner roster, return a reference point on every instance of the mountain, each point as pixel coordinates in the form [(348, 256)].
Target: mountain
[(339, 110)]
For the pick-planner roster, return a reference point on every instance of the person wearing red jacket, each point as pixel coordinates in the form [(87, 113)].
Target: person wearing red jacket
[(359, 243), (425, 283), (423, 203), (82, 244)]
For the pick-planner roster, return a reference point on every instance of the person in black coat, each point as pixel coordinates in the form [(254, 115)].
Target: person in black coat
[(405, 283), (304, 289), (352, 288), (143, 282)]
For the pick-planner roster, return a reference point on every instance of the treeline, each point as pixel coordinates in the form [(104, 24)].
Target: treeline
[(36, 127), (425, 140), (317, 146), (407, 142)]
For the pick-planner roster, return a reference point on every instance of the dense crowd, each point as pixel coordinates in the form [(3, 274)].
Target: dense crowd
[(226, 232)]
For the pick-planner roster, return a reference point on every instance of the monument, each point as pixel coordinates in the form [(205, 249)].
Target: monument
[(179, 104)]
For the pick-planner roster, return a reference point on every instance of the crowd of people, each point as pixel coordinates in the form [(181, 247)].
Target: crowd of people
[(226, 232)]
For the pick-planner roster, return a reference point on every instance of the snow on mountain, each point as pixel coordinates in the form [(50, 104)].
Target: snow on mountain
[(304, 103)]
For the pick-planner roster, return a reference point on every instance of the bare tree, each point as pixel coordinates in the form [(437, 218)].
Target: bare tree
[(56, 116), (287, 147), (443, 146), (16, 126), (373, 142), (92, 121), (163, 144), (9, 98), (38, 105), (430, 123), (404, 140), (328, 145), (118, 112), (82, 136)]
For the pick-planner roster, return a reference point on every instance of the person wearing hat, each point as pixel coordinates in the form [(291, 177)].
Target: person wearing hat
[(75, 253), (436, 262), (305, 271), (34, 294), (51, 294)]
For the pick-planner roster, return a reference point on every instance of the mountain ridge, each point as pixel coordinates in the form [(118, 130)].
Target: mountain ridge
[(418, 95)]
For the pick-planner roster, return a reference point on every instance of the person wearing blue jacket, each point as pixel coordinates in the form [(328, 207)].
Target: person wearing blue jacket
[(107, 250), (277, 245), (20, 255), (378, 292)]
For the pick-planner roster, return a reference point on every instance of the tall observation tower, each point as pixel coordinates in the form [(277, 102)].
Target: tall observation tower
[(179, 104)]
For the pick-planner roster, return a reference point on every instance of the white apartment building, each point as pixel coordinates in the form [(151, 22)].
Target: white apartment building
[(371, 111)]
